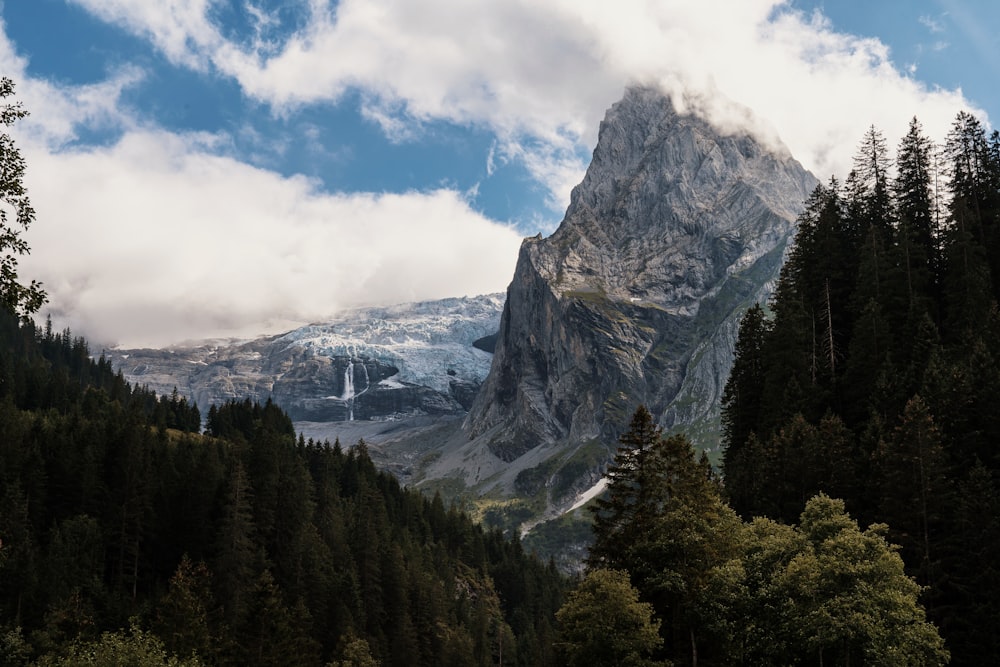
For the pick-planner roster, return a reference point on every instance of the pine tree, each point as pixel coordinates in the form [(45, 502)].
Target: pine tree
[(916, 234), (183, 615), (626, 513), (741, 401), (913, 475), (237, 553), (967, 277)]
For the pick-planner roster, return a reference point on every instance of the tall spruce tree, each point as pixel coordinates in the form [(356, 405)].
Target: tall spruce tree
[(741, 402), (968, 281), (626, 513), (916, 234), (665, 523)]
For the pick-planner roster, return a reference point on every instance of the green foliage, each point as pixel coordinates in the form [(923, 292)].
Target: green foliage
[(604, 623), (759, 593), (135, 648), (183, 615), (826, 591), (847, 595), (16, 297), (355, 653)]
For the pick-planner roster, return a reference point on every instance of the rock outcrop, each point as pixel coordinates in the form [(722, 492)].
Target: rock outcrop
[(636, 298)]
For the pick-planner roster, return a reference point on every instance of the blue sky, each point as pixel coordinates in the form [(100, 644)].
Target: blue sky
[(207, 168)]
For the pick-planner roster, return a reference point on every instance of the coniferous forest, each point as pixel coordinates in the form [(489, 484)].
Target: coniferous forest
[(129, 535), (875, 374)]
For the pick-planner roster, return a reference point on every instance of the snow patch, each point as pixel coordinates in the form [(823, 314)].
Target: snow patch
[(589, 494), (392, 382)]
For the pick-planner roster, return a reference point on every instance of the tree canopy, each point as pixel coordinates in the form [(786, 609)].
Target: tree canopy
[(727, 592)]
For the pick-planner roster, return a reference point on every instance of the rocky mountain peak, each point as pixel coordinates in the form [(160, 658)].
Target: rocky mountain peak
[(636, 298), (659, 177)]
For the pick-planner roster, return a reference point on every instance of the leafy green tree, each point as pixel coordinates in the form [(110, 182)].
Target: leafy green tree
[(848, 599), (355, 653), (135, 648), (756, 603), (17, 297), (15, 651), (604, 623)]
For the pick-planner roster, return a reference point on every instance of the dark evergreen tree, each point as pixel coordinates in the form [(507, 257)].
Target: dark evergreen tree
[(237, 556), (741, 402), (967, 280), (625, 515), (913, 479), (917, 233)]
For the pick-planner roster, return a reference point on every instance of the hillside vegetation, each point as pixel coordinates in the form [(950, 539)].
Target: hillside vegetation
[(243, 545)]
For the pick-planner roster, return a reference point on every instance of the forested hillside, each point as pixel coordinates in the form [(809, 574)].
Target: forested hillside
[(874, 376), (244, 545)]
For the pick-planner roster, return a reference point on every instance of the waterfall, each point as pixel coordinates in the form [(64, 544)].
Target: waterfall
[(348, 395), (350, 391), (364, 368), (348, 382)]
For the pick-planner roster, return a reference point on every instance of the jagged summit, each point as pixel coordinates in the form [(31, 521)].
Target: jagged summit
[(658, 177), (637, 296)]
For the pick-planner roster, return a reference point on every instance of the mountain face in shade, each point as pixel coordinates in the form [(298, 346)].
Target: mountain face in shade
[(637, 297)]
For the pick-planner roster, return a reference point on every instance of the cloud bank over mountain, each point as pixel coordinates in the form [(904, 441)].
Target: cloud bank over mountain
[(154, 234)]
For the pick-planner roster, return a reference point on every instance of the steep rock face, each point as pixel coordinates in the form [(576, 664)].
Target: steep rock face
[(367, 364), (636, 298)]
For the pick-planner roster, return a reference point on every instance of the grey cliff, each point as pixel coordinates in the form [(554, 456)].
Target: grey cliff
[(635, 299)]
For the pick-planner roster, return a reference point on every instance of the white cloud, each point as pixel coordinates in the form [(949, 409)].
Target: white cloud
[(56, 112), (179, 28), (155, 238), (161, 237), (541, 74), (158, 237)]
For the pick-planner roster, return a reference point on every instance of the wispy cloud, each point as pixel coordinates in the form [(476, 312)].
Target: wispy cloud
[(931, 23), (982, 37)]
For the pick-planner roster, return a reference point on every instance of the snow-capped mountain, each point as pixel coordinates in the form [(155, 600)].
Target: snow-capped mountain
[(364, 364)]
